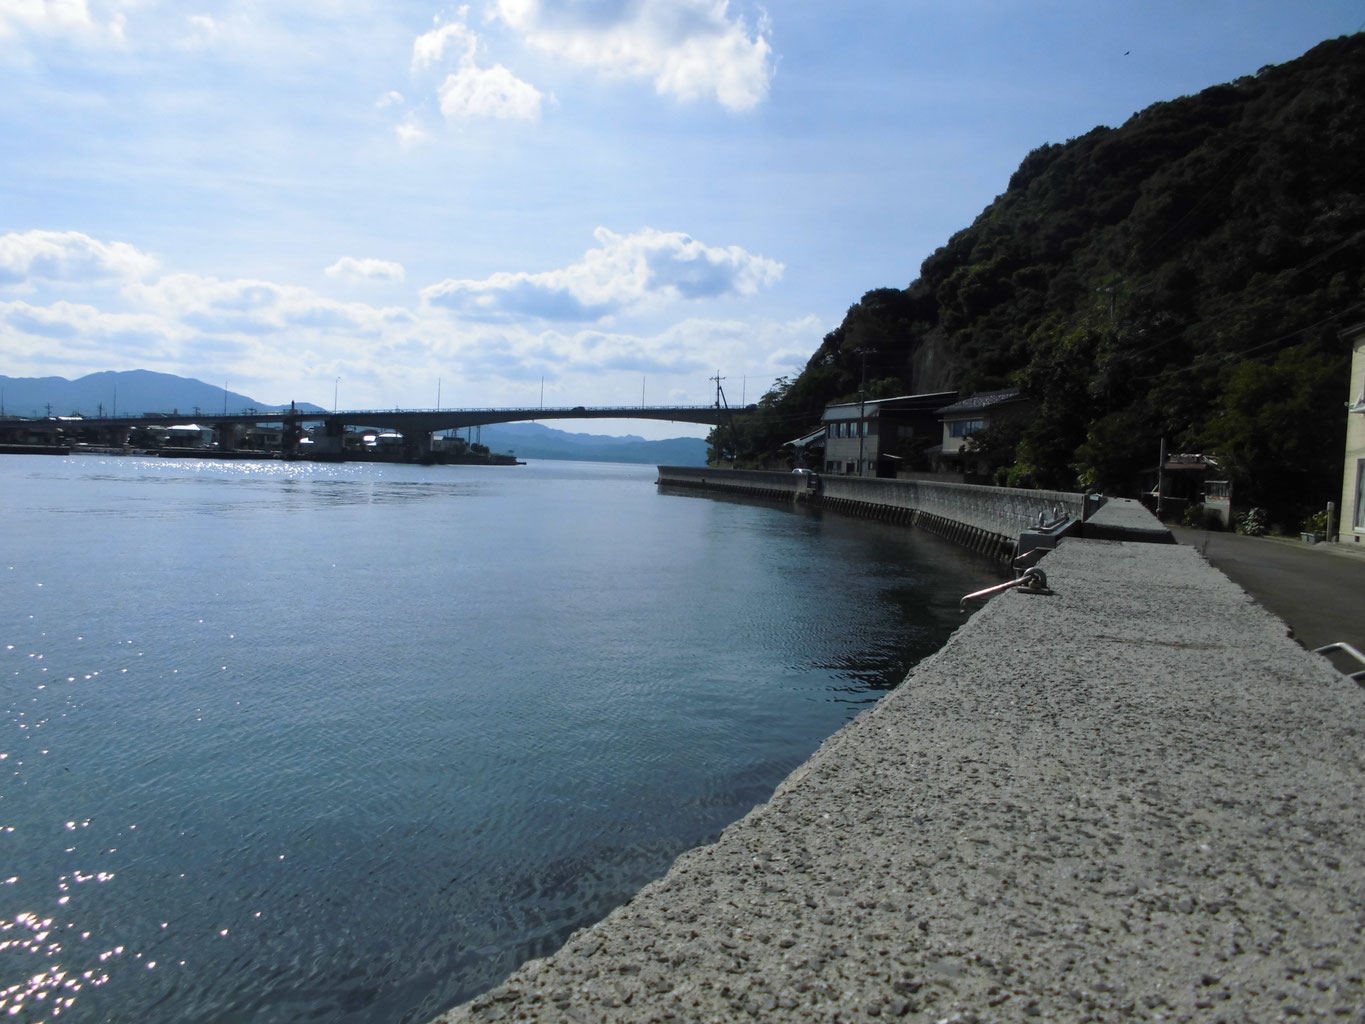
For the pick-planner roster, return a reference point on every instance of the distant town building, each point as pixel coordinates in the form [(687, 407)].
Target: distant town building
[(1352, 527), (963, 420), (875, 437), (1189, 479), (808, 450)]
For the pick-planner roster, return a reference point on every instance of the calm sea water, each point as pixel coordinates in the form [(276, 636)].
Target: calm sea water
[(286, 742)]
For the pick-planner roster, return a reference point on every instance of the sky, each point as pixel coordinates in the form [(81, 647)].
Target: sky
[(389, 203)]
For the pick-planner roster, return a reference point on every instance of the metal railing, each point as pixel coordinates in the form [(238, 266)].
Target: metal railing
[(1345, 648), (1032, 581)]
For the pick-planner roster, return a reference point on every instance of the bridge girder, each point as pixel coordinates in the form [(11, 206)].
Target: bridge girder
[(407, 421)]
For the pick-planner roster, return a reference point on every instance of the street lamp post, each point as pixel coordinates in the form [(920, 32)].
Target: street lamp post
[(336, 384)]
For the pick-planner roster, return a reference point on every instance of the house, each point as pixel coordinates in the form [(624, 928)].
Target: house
[(1190, 479), (874, 437), (972, 415), (1352, 528), (808, 450)]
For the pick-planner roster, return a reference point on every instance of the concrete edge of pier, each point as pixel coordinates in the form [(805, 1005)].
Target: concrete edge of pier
[(1134, 798)]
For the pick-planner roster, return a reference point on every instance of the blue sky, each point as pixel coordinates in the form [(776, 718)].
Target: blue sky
[(590, 197)]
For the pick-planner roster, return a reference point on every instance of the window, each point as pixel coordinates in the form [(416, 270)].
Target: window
[(961, 428)]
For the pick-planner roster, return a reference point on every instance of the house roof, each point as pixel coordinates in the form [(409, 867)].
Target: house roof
[(805, 440), (981, 401), (876, 406)]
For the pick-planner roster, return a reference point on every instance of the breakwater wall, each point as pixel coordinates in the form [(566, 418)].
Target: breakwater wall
[(987, 519), (1135, 798)]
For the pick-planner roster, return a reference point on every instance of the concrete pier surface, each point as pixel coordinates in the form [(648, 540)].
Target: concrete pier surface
[(1318, 589), (1135, 799)]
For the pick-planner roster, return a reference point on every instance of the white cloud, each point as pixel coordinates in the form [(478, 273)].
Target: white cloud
[(295, 341), (46, 16), (489, 92), (249, 307), (204, 29), (471, 90), (410, 132), (355, 271), (235, 29), (71, 19), (429, 49), (626, 272), (691, 49), (392, 98), (68, 256)]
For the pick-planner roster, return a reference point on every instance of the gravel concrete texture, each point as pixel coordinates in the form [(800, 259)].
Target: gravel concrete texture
[(1125, 519), (1136, 799), (1315, 588)]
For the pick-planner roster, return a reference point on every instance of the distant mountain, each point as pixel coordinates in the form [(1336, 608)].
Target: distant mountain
[(124, 393), (537, 441)]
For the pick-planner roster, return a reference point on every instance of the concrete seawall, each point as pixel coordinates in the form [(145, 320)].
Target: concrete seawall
[(1136, 798), (984, 518)]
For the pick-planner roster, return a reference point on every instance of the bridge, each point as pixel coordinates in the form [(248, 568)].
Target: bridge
[(415, 425)]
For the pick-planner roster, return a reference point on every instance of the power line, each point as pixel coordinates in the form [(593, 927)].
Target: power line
[(1249, 352)]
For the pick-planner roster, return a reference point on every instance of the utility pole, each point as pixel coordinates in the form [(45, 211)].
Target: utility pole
[(1160, 477), (721, 403), (862, 409)]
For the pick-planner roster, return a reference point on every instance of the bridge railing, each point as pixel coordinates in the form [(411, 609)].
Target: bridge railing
[(626, 411)]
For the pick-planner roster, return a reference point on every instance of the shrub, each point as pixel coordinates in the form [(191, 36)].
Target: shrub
[(1200, 518), (1316, 523), (1252, 522)]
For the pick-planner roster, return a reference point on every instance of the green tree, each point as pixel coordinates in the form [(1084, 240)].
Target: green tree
[(1259, 429)]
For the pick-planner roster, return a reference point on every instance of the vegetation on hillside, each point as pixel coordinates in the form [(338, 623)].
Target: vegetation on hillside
[(1187, 276)]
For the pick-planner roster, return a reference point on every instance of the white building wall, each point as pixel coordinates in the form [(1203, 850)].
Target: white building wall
[(1352, 520)]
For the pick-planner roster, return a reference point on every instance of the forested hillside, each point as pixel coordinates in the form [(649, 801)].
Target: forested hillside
[(1186, 275)]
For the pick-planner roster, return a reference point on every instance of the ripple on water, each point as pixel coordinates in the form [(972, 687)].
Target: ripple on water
[(350, 742)]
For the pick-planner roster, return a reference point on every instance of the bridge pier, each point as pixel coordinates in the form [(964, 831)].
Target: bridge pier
[(291, 435), (417, 445), (225, 434), (332, 444)]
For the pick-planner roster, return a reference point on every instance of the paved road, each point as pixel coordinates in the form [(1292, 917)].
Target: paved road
[(1317, 589)]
